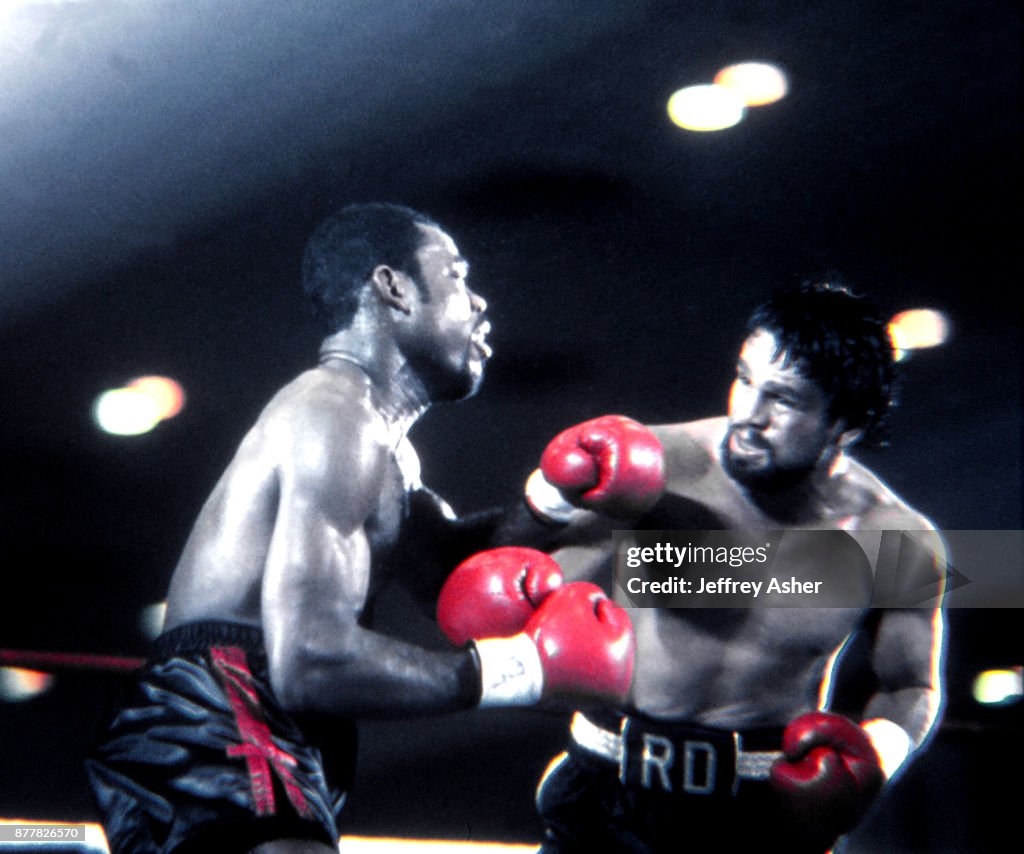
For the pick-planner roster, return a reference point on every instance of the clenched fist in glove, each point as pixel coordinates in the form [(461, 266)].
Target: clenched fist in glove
[(612, 465), (585, 643), (495, 592), (828, 774), (577, 644)]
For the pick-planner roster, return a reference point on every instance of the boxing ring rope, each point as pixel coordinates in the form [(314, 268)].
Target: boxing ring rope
[(39, 660)]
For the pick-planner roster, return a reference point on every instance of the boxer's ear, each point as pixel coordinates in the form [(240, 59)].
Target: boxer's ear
[(844, 437), (849, 437), (393, 287)]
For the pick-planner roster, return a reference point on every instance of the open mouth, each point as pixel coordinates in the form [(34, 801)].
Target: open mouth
[(747, 443), (479, 339)]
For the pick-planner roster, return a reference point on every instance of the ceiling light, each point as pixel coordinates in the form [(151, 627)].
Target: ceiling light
[(168, 395), (138, 407), (705, 108), (917, 329), (18, 683), (755, 83), (125, 412), (998, 687)]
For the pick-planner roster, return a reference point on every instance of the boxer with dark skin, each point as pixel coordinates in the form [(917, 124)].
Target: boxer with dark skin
[(723, 743), (221, 742), (313, 500)]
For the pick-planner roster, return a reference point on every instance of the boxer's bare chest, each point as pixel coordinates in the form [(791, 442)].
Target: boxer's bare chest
[(736, 666)]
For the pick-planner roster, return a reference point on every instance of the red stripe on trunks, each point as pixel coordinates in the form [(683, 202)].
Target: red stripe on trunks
[(257, 746)]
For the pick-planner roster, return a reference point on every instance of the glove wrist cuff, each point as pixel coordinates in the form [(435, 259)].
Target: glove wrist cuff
[(511, 673), (891, 743), (547, 502)]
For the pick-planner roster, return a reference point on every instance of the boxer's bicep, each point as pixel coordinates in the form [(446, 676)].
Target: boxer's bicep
[(907, 654), (317, 574)]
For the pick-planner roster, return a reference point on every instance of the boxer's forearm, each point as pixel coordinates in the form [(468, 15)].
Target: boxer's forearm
[(364, 674), (900, 721)]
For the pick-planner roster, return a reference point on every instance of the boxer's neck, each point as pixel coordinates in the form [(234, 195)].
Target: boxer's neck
[(398, 394), (819, 497)]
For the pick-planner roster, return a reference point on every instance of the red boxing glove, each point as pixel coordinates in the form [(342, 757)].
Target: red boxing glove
[(611, 465), (586, 644), (578, 644), (495, 592), (828, 774)]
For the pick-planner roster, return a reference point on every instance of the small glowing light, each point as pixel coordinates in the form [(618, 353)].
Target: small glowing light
[(138, 407), (17, 683), (994, 687), (756, 83), (166, 393), (917, 329), (705, 108), (151, 620), (126, 412)]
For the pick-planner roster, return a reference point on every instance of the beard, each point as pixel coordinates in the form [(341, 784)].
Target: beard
[(451, 383), (764, 475)]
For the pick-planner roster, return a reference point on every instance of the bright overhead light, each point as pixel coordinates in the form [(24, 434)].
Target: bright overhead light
[(917, 329), (138, 407), (755, 83), (125, 412), (168, 395), (18, 683), (705, 108), (998, 687)]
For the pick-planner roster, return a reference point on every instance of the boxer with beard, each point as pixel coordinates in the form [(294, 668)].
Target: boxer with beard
[(726, 741)]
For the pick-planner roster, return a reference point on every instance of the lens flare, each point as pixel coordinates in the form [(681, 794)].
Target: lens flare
[(168, 395), (918, 329), (138, 407), (705, 108), (125, 412), (755, 83), (998, 687), (18, 684)]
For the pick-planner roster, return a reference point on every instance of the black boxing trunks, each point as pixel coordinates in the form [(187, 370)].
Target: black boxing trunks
[(200, 756), (627, 784)]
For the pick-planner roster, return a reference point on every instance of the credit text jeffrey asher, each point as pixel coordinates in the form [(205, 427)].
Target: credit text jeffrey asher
[(669, 555)]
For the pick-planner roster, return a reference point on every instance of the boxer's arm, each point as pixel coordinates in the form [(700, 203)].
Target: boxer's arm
[(316, 583), (907, 658), (907, 647), (609, 470), (442, 540), (611, 465)]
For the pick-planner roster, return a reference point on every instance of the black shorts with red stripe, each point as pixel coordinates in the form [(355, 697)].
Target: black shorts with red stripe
[(199, 756)]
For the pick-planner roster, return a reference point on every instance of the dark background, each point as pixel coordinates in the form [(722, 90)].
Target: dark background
[(162, 164)]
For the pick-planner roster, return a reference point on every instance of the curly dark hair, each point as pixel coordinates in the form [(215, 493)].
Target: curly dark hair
[(840, 341), (344, 249)]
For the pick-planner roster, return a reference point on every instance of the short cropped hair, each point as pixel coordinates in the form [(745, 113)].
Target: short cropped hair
[(840, 341), (345, 248)]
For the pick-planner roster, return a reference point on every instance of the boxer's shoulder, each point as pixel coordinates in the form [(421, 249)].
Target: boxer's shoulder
[(877, 504), (323, 433), (691, 447)]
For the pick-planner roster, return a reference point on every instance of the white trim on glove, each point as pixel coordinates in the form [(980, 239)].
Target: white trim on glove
[(547, 501), (511, 673), (892, 743)]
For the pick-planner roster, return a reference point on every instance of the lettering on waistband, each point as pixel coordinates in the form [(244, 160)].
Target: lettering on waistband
[(656, 762)]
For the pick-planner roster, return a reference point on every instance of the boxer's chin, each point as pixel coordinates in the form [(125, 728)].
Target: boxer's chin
[(458, 383), (759, 471)]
